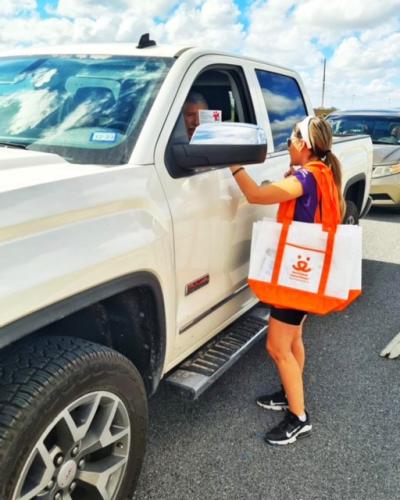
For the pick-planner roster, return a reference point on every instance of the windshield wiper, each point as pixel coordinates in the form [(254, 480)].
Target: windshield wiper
[(12, 145)]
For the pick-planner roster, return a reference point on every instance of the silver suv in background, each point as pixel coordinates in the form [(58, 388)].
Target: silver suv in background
[(384, 128)]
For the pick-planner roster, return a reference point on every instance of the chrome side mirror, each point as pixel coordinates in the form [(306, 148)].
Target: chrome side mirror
[(218, 145), (226, 133)]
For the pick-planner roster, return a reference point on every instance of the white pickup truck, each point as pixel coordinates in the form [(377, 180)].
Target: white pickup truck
[(124, 248)]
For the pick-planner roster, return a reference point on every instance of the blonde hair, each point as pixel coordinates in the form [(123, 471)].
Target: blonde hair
[(320, 135)]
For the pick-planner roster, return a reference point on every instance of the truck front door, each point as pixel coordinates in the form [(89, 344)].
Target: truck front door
[(212, 221)]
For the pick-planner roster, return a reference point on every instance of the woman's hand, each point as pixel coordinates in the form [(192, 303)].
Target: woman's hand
[(274, 192)]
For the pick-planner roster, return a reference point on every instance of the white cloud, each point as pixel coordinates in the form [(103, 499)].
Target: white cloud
[(364, 74), (93, 8), (22, 31), (210, 23), (367, 60), (361, 38), (10, 8), (191, 22), (131, 28), (89, 8), (273, 36), (345, 14)]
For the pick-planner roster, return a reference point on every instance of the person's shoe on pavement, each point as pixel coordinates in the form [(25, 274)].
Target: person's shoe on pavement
[(276, 401), (287, 431)]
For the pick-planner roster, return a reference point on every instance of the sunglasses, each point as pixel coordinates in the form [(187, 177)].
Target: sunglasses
[(290, 141)]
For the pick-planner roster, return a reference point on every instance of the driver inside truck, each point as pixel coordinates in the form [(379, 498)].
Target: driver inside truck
[(193, 104)]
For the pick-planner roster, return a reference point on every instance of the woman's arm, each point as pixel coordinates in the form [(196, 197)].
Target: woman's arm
[(276, 192)]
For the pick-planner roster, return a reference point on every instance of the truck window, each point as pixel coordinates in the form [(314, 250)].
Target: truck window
[(86, 108), (222, 89), (284, 102)]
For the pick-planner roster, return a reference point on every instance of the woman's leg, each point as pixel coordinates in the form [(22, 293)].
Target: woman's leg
[(298, 347), (280, 340)]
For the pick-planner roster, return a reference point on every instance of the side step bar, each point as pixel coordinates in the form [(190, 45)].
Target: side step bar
[(204, 367)]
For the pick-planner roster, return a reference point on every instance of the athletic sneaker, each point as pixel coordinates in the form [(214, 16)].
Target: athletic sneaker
[(276, 401), (289, 430)]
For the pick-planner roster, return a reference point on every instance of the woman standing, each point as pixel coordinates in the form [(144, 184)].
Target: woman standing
[(310, 142)]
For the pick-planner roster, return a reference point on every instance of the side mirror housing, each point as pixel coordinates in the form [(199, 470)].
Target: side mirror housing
[(221, 144)]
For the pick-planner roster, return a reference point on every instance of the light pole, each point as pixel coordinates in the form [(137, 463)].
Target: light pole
[(323, 85)]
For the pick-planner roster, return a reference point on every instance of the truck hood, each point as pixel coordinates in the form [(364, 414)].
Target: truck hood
[(20, 168), (386, 154), (65, 228), (36, 186)]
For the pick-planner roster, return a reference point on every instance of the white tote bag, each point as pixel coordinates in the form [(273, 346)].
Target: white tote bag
[(305, 267)]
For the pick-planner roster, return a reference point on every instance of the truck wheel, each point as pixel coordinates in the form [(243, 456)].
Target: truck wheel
[(351, 215), (73, 421)]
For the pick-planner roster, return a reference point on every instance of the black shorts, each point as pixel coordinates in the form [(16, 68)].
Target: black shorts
[(290, 316)]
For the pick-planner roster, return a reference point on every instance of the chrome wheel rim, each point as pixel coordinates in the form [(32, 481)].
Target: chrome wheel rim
[(350, 220), (83, 453)]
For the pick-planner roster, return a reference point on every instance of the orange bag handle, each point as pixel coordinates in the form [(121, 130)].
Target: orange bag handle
[(328, 201)]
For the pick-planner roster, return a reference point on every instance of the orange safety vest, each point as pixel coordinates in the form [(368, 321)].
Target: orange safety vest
[(328, 197)]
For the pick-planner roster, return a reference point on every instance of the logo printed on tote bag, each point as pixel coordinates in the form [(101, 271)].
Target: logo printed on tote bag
[(301, 269)]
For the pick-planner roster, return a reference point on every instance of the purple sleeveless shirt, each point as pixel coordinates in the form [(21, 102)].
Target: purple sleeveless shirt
[(306, 204)]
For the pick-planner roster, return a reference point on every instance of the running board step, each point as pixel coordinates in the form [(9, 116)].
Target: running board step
[(205, 366)]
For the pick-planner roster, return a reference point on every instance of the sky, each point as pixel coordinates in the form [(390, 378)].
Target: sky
[(360, 39)]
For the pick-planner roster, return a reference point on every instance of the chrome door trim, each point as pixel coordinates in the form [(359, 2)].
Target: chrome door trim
[(216, 306)]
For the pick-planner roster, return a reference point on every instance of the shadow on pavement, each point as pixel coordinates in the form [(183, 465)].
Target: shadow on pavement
[(386, 214)]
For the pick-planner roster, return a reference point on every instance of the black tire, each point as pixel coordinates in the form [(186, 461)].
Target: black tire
[(351, 215), (38, 380)]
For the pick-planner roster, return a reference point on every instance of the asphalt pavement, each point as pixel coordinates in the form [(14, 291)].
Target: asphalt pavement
[(213, 448)]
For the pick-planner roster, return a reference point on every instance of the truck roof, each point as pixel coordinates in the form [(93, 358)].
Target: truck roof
[(125, 49), (99, 49)]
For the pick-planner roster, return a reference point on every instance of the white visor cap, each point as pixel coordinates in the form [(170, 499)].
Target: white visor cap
[(303, 127)]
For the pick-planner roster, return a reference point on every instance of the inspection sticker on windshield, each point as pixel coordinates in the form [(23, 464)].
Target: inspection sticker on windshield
[(210, 115), (103, 137)]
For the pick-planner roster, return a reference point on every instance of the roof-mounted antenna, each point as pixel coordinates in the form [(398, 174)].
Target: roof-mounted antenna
[(145, 42)]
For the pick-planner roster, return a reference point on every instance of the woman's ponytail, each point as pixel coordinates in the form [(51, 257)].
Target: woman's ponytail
[(321, 141), (333, 162)]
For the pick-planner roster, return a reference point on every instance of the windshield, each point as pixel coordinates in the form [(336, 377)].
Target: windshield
[(382, 129), (87, 109)]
